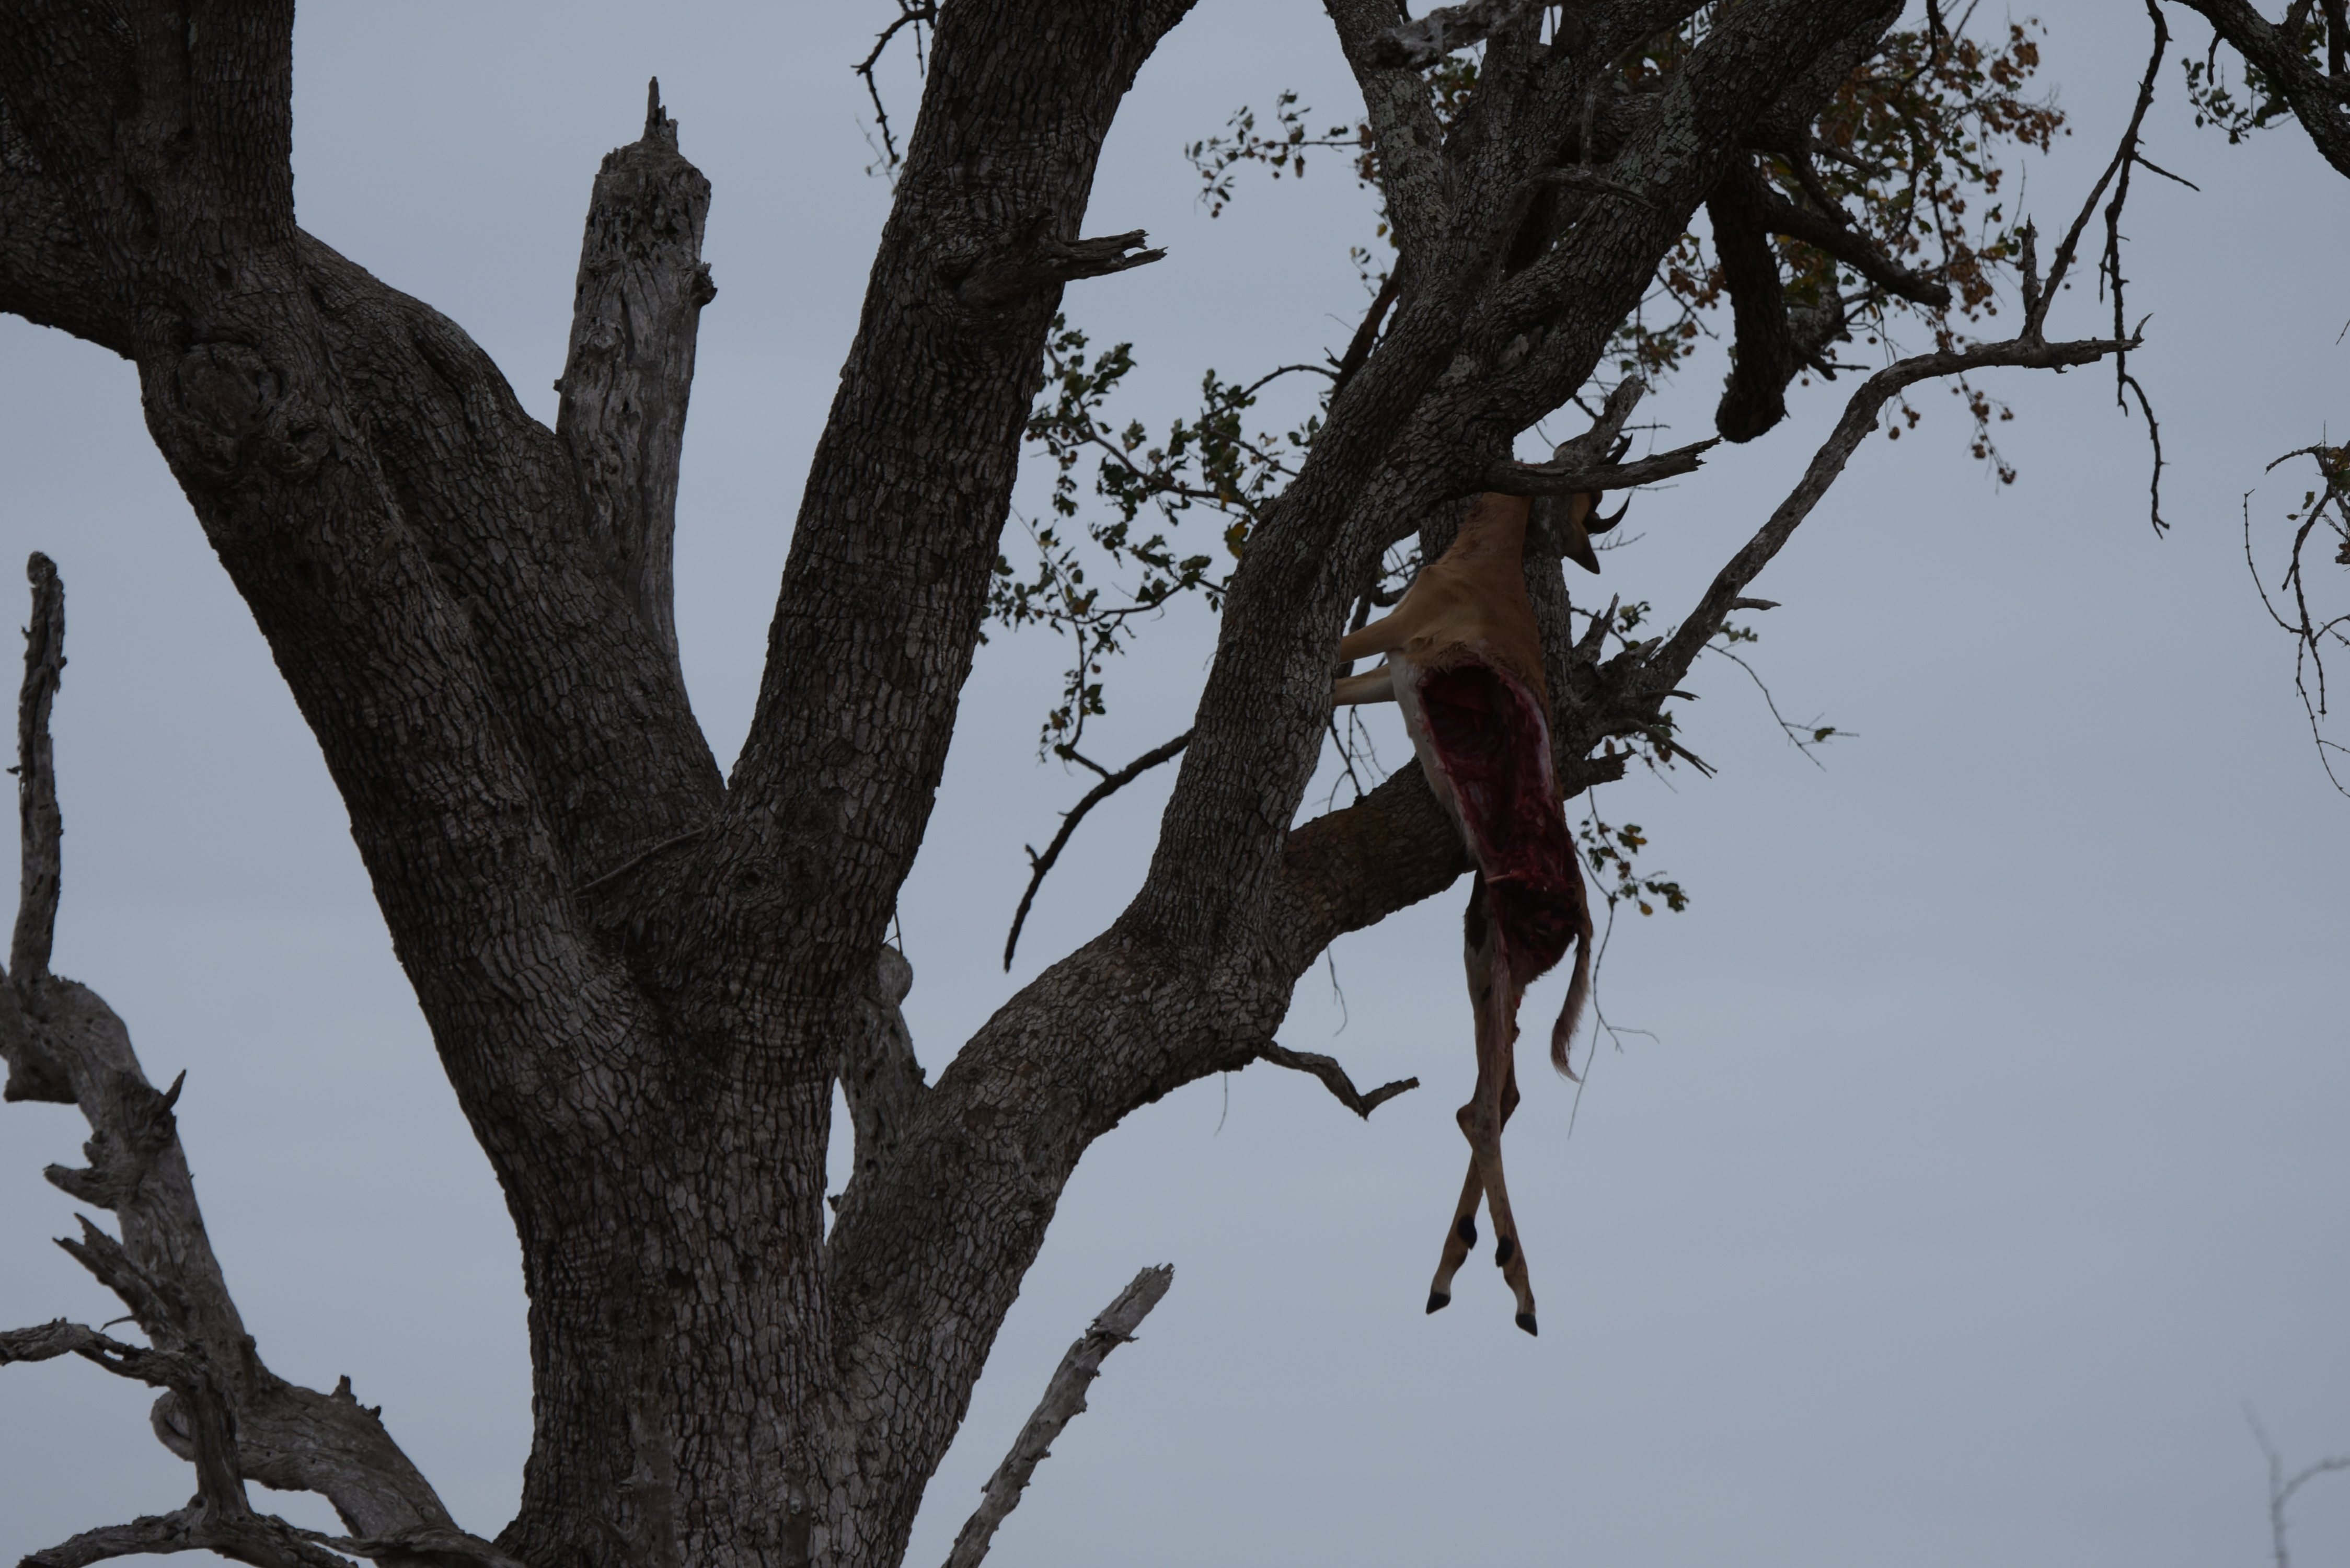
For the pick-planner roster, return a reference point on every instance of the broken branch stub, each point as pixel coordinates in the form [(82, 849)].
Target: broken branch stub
[(628, 372), (1065, 1398)]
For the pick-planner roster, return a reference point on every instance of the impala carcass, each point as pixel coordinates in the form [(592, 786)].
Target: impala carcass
[(1464, 661)]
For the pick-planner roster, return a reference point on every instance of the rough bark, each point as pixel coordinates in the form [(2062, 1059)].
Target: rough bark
[(642, 979), (634, 317)]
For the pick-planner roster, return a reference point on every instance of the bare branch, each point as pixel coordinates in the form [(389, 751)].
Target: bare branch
[(2310, 633), (58, 1337), (1111, 784), (628, 372), (2280, 1487), (1065, 1397), (911, 14), (1665, 669), (2125, 384), (1334, 1079), (2037, 300), (36, 779), (223, 1409)]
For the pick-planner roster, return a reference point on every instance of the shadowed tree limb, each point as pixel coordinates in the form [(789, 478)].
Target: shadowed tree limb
[(1665, 669), (1110, 784), (629, 371), (223, 1409), (2320, 101), (1334, 1079), (1065, 1398)]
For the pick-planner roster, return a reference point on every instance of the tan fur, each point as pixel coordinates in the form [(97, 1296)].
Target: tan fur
[(1470, 600)]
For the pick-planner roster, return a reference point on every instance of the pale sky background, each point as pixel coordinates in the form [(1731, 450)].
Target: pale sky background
[(1984, 1153)]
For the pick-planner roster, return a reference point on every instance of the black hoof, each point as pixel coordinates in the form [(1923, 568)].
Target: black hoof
[(1467, 1230), (1438, 1301), (1526, 1322), (1504, 1253)]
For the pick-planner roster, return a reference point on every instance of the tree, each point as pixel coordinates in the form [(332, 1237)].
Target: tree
[(635, 975)]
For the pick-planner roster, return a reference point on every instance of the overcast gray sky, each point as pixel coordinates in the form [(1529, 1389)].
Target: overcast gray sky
[(1978, 1149)]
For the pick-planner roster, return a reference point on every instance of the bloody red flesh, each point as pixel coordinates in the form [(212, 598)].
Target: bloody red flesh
[(1490, 738)]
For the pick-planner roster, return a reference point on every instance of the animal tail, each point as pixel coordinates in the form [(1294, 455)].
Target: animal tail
[(1562, 1034)]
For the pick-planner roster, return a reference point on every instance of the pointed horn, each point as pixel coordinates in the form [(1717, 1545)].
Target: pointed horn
[(1601, 525)]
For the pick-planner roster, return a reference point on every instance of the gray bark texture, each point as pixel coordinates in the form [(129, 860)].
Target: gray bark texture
[(642, 979)]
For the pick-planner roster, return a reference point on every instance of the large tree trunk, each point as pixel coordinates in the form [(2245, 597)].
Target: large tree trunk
[(643, 980)]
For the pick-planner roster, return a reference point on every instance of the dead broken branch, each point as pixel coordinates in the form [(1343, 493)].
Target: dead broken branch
[(1065, 1398)]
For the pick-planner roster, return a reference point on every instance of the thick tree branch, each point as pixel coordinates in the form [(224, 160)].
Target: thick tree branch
[(630, 369), (895, 544), (1413, 174), (1421, 43), (2321, 103), (1065, 1398), (241, 1536), (582, 679), (185, 195)]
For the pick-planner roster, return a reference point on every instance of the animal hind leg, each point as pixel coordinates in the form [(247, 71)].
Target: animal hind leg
[(1463, 1234), (1459, 1240), (1493, 997), (1482, 1121), (1476, 943)]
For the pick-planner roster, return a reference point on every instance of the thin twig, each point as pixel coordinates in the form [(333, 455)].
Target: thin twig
[(1111, 784), (2281, 1488), (2035, 309), (910, 13), (1334, 1079)]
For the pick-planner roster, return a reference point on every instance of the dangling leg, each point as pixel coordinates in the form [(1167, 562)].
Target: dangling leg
[(1481, 1120), (1459, 1240), (1494, 999), (1476, 936)]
